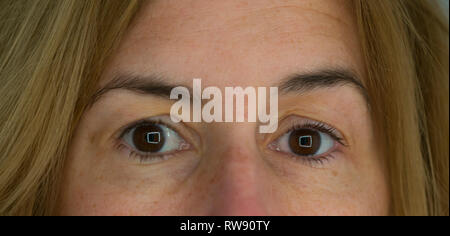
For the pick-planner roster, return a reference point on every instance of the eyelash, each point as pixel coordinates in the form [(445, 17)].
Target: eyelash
[(312, 161), (315, 125), (316, 161), (143, 158)]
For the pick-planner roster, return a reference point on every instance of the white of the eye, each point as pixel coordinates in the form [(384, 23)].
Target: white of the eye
[(172, 140), (283, 143), (326, 143)]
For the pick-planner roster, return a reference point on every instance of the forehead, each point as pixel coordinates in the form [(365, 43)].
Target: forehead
[(258, 40)]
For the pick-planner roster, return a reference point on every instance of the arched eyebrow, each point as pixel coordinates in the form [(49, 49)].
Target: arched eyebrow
[(297, 83), (301, 83), (149, 85)]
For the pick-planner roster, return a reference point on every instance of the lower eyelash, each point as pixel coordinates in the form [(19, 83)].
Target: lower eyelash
[(316, 162), (143, 159)]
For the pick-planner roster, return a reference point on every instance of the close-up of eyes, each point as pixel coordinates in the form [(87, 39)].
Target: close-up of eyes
[(312, 142), (152, 141)]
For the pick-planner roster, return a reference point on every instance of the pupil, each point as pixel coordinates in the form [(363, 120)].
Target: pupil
[(304, 142), (148, 138)]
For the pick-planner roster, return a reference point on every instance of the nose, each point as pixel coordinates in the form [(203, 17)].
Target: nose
[(240, 181)]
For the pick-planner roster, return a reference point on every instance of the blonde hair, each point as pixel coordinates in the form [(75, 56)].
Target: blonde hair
[(405, 44), (53, 52)]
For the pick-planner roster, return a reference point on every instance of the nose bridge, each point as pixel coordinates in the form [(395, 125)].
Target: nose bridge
[(238, 177)]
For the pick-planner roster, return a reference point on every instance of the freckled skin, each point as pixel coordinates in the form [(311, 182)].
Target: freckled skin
[(230, 170)]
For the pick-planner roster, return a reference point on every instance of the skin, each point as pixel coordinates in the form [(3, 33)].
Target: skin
[(229, 169)]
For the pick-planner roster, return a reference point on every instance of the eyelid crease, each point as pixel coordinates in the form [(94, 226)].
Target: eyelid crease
[(302, 121), (159, 120), (323, 128), (137, 123)]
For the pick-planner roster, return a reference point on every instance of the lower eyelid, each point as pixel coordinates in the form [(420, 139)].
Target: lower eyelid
[(131, 154), (142, 159), (186, 147), (319, 162)]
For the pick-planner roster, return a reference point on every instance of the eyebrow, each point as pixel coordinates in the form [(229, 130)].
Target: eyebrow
[(300, 83), (150, 85), (297, 83)]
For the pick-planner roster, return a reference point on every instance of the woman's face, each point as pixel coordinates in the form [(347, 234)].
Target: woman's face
[(129, 158)]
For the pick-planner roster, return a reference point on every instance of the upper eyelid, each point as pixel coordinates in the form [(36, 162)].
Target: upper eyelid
[(123, 130), (158, 120), (126, 128), (329, 133), (333, 132), (309, 120)]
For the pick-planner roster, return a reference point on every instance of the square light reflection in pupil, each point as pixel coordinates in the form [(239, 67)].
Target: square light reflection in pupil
[(153, 137), (305, 141)]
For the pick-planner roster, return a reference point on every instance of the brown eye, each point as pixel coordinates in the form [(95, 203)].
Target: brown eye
[(148, 138), (154, 138), (304, 142)]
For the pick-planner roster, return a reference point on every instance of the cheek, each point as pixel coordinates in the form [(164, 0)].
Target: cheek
[(88, 192), (101, 200), (334, 193), (342, 188), (98, 196), (338, 198), (101, 181)]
